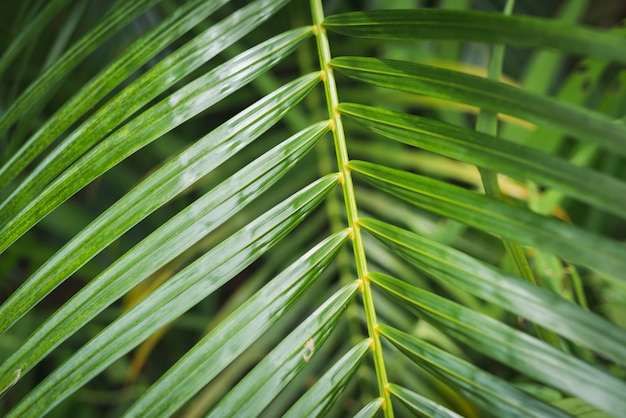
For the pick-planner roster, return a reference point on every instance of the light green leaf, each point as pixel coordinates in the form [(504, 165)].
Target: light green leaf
[(495, 396), (371, 409), (175, 297), (520, 297), (252, 394), (168, 181), (145, 128), (517, 224), (420, 404), (513, 348), (236, 333), (502, 156), (317, 401), (460, 87), (163, 245), (578, 408), (476, 26)]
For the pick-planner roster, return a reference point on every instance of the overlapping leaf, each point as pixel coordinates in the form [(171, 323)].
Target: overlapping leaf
[(460, 87), (513, 348), (502, 156), (520, 297), (163, 245), (147, 127), (165, 74), (182, 171), (495, 216), (175, 297), (252, 394), (494, 395), (222, 345), (477, 26)]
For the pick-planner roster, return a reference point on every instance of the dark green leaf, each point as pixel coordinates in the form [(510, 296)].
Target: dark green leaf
[(513, 348), (543, 307), (517, 224), (502, 156), (476, 26), (452, 85)]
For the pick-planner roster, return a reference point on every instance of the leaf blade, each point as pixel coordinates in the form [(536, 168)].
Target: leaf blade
[(292, 354), (486, 151), (168, 181), (477, 26), (452, 85), (514, 348), (520, 225), (534, 303), (147, 127), (163, 245), (215, 351)]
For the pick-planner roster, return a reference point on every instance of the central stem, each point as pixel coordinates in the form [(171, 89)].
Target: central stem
[(341, 152)]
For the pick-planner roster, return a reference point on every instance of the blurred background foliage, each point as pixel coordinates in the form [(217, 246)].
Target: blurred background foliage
[(588, 82)]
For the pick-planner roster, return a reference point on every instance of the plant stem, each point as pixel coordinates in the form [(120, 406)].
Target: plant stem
[(487, 122), (341, 151)]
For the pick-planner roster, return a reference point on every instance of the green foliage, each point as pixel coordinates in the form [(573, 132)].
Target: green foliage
[(197, 221)]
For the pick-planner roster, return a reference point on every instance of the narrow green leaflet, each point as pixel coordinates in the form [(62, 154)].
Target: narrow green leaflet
[(175, 297), (518, 224), (540, 306), (162, 246), (489, 152), (371, 409), (150, 125), (123, 13), (317, 401), (252, 394), (487, 94), (30, 31), (492, 394), (236, 333), (475, 26), (165, 74), (516, 349), (419, 404), (161, 186)]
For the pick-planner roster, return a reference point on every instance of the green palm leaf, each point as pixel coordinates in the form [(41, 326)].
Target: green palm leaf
[(174, 241)]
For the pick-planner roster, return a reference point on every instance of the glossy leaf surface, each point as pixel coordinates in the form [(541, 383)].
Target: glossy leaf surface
[(499, 218)]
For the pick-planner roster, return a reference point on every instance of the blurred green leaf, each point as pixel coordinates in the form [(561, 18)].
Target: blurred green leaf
[(475, 26)]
